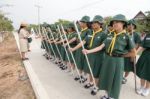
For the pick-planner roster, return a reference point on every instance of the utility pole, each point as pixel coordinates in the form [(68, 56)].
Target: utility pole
[(38, 7)]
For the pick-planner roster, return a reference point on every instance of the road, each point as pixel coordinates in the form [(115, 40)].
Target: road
[(49, 82)]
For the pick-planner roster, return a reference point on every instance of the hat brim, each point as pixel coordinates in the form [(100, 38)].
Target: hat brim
[(97, 22), (111, 22), (25, 25), (84, 21), (132, 24)]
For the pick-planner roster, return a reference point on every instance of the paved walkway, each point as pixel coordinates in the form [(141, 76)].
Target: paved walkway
[(49, 82)]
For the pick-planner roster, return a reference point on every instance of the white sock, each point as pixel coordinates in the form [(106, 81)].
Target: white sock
[(147, 89)]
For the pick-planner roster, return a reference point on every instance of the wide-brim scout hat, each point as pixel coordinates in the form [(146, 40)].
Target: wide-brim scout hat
[(45, 25), (53, 27), (85, 19), (24, 24), (133, 22), (71, 25), (98, 19), (65, 26), (119, 17)]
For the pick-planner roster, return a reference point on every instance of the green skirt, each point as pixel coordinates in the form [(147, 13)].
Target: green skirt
[(128, 66), (50, 48), (63, 53), (55, 50), (143, 66), (80, 59), (43, 44), (47, 47), (70, 56), (96, 61), (111, 75)]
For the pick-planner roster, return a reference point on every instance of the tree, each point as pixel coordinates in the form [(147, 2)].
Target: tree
[(5, 23), (62, 21), (32, 26), (107, 20)]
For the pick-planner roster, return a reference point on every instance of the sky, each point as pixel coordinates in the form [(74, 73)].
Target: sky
[(52, 10)]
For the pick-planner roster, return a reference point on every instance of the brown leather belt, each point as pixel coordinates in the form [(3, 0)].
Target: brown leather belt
[(114, 55)]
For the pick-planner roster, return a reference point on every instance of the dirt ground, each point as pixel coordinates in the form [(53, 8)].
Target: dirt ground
[(14, 82)]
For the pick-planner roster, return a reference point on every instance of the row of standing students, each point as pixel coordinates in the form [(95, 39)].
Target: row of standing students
[(110, 54)]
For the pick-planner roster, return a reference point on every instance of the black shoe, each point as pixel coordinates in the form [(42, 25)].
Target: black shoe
[(83, 80), (88, 86), (77, 78), (94, 91), (104, 97), (50, 58), (44, 54), (56, 62), (124, 81), (64, 68), (60, 64), (47, 58)]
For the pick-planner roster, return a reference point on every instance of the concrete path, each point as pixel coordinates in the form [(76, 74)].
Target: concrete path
[(49, 82)]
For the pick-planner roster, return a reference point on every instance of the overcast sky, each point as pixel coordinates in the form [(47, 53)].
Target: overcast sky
[(52, 10)]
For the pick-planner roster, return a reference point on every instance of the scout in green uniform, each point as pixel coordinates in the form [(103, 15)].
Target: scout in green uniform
[(62, 49), (44, 43), (50, 40), (117, 46), (110, 29), (55, 35), (80, 58), (72, 36), (95, 59), (48, 48), (135, 37), (143, 66)]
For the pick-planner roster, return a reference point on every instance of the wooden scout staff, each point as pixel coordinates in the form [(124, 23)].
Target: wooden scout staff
[(134, 65)]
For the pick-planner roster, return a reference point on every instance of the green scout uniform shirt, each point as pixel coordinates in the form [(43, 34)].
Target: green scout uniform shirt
[(129, 64), (112, 69), (146, 42), (95, 59), (70, 36), (122, 45)]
